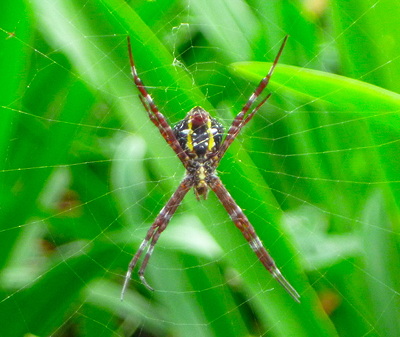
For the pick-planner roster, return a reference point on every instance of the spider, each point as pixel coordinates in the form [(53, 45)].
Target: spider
[(197, 142)]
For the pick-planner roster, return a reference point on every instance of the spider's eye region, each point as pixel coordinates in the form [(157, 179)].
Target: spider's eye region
[(198, 133)]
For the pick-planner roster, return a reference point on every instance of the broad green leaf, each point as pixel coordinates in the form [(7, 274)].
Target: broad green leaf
[(335, 93)]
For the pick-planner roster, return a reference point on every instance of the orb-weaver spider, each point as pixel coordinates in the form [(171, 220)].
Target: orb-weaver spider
[(197, 141)]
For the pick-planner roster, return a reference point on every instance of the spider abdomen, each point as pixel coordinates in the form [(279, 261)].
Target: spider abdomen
[(198, 133)]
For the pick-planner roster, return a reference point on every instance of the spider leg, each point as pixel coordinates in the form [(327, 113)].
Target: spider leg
[(155, 115), (244, 225), (163, 132), (240, 119), (160, 223)]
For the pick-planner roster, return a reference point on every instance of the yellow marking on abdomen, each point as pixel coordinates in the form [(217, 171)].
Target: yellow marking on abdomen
[(211, 142), (189, 142)]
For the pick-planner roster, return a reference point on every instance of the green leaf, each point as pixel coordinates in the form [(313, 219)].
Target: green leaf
[(381, 256), (335, 93)]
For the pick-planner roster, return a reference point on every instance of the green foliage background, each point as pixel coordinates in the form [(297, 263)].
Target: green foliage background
[(83, 171)]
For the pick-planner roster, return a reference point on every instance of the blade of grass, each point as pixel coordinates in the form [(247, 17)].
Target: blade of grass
[(380, 239), (14, 60), (336, 93)]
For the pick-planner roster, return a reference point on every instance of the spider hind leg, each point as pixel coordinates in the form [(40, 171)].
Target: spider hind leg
[(244, 225), (153, 234)]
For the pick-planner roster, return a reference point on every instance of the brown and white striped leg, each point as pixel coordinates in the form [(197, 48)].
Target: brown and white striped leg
[(155, 115), (240, 119), (244, 225), (154, 232)]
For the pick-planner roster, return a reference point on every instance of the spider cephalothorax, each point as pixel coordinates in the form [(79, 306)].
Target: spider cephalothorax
[(197, 142)]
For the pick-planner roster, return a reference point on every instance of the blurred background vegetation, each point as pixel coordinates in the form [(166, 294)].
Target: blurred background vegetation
[(84, 173)]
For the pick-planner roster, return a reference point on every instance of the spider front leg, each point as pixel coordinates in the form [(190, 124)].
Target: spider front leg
[(244, 225), (154, 232), (154, 114), (242, 118)]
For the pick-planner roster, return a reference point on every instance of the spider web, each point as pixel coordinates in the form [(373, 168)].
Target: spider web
[(85, 172)]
